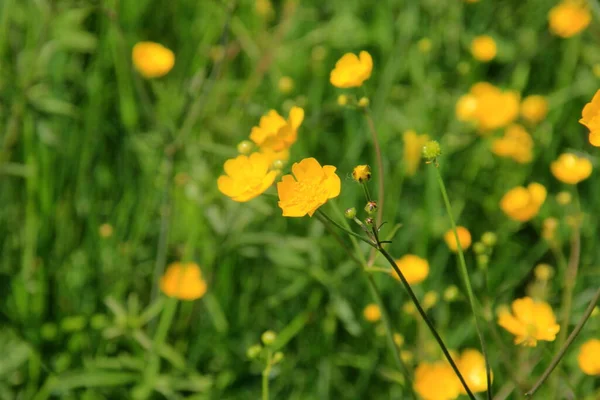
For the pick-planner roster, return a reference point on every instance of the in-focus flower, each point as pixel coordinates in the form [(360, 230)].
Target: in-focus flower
[(488, 107), (523, 203), (276, 133), (372, 313), (313, 186), (152, 60), (351, 71), (516, 144), (413, 150), (414, 268), (591, 119), (530, 321), (183, 281), (569, 168), (534, 108), (464, 236), (436, 381), (589, 357), (483, 48), (471, 365), (361, 173), (569, 18), (247, 177)]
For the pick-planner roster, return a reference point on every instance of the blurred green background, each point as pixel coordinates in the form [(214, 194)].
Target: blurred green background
[(106, 177)]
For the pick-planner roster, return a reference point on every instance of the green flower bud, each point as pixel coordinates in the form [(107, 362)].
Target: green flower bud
[(489, 239), (431, 150), (369, 221), (245, 147), (363, 102), (253, 351), (278, 164), (479, 248), (268, 337), (350, 213), (371, 207), (277, 357)]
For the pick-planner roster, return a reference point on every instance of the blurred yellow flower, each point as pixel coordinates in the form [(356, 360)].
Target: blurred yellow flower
[(424, 45), (285, 84), (414, 268), (516, 144), (413, 150), (313, 186), (247, 177), (372, 313), (264, 8), (105, 230), (569, 18), (275, 132), (471, 365), (522, 204), (534, 108), (351, 71), (563, 198), (569, 168), (530, 321), (398, 339), (591, 119), (549, 228), (436, 381), (152, 60), (342, 100), (483, 48), (183, 281), (430, 299), (488, 107), (543, 272), (464, 237), (589, 357), (361, 173)]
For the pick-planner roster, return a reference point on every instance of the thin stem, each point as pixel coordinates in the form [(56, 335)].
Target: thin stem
[(265, 375), (558, 357), (436, 335), (465, 276), (349, 232)]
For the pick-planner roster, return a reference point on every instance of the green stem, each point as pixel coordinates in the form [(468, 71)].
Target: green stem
[(348, 231), (436, 335), (265, 375), (465, 276), (558, 357)]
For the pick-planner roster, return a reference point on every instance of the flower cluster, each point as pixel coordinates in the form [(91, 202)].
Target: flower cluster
[(523, 203), (516, 144)]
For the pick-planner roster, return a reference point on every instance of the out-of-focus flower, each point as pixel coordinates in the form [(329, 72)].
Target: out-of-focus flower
[(105, 230), (589, 357), (285, 84), (424, 45), (361, 173), (464, 237), (247, 177), (372, 313), (483, 48), (264, 8), (488, 107), (413, 150), (543, 272), (534, 108), (276, 133), (436, 381), (471, 365), (430, 299), (516, 144), (351, 70), (569, 18), (591, 119), (183, 281), (312, 187), (398, 339), (152, 60), (569, 168), (549, 228), (563, 198), (451, 293), (342, 100), (523, 203), (414, 268), (530, 321)]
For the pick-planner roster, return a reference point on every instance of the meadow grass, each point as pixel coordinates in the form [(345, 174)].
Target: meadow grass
[(106, 178)]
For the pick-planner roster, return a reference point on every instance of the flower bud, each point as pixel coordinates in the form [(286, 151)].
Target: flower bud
[(361, 173), (451, 293), (489, 239), (369, 221), (253, 351), (363, 102), (342, 100), (350, 213), (277, 357), (431, 150), (278, 164), (371, 207), (268, 337), (479, 248), (483, 260), (245, 147)]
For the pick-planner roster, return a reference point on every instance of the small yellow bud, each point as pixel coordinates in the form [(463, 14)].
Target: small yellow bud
[(363, 102), (430, 299), (479, 248), (543, 272), (342, 100), (253, 351), (424, 45), (361, 173), (483, 260), (431, 150), (278, 164), (451, 293), (372, 313), (268, 337), (277, 357), (406, 356), (596, 311), (596, 70), (245, 147), (563, 198), (409, 308), (286, 84), (489, 239), (463, 68), (318, 53), (398, 339), (105, 230)]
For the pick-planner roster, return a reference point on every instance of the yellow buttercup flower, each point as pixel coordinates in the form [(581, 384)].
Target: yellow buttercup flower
[(488, 107), (483, 48), (152, 60), (436, 381), (183, 281), (413, 150), (313, 186), (522, 204), (247, 177), (464, 237), (351, 71), (274, 132), (414, 268), (591, 119), (534, 108), (372, 313), (471, 365), (516, 144), (530, 321), (569, 168), (569, 18), (361, 173), (589, 357)]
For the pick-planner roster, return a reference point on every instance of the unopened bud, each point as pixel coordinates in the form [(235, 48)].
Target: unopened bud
[(489, 239), (371, 207), (431, 150), (363, 102), (268, 337), (277, 357), (369, 221), (245, 147), (278, 164), (253, 351), (479, 248), (350, 213), (342, 100)]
